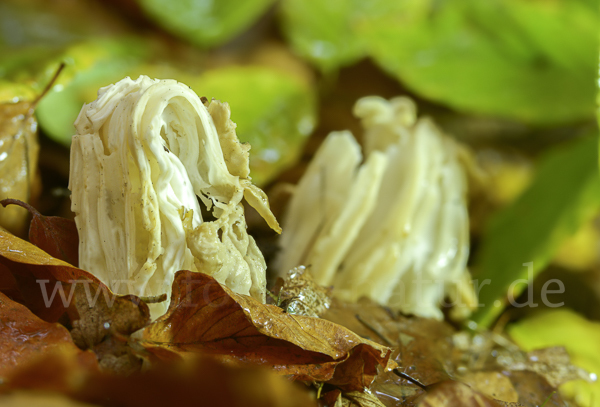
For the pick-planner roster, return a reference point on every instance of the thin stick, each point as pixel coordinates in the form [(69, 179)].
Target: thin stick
[(154, 299), (48, 86), (410, 379)]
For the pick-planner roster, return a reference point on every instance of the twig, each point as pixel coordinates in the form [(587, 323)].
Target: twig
[(410, 379), (380, 335)]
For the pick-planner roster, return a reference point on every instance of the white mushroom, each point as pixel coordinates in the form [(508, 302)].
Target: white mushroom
[(146, 156), (394, 228)]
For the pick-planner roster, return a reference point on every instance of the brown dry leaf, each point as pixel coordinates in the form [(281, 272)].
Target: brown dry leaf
[(361, 399), (451, 393), (25, 338), (200, 381), (490, 351), (335, 398), (206, 381), (56, 372), (432, 352), (102, 321), (492, 384), (553, 364), (39, 399), (534, 391), (8, 283), (20, 251), (421, 346), (19, 149), (332, 398), (38, 276), (43, 295), (207, 317), (55, 235)]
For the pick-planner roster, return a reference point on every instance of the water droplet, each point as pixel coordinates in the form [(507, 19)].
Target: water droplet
[(106, 325), (270, 155)]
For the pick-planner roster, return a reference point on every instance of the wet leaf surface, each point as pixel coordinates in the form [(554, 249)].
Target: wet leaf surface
[(452, 367), (19, 149), (553, 364), (38, 276), (25, 338), (421, 345), (207, 317), (20, 251), (55, 235), (299, 294)]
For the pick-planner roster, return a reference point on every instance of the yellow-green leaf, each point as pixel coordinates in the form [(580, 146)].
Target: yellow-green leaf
[(205, 22), (533, 61), (324, 31), (563, 327), (274, 112)]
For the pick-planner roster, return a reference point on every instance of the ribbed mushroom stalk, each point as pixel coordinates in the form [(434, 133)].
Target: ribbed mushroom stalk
[(147, 154), (394, 227)]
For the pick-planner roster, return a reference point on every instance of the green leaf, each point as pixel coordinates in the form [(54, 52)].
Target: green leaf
[(11, 92), (205, 22), (324, 31), (274, 112), (533, 61), (36, 35), (49, 25), (563, 327), (564, 194), (90, 65), (598, 98)]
